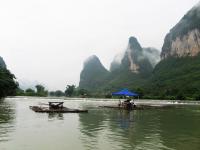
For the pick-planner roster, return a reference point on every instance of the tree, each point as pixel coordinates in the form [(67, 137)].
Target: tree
[(59, 93), (41, 90), (8, 85), (70, 90), (180, 96), (52, 93), (30, 92), (140, 92), (20, 92), (82, 92)]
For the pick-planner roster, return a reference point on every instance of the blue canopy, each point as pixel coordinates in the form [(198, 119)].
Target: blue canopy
[(125, 92)]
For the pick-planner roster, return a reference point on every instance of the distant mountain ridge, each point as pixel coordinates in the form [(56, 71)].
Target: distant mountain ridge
[(175, 76), (135, 63)]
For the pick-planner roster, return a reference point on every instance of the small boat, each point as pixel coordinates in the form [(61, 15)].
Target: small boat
[(56, 107)]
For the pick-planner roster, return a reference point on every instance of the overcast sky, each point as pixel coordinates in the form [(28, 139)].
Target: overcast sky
[(48, 40)]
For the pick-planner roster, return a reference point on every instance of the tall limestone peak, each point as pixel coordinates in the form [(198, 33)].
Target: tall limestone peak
[(132, 55), (184, 38), (134, 59), (93, 73), (93, 61), (134, 44), (2, 63)]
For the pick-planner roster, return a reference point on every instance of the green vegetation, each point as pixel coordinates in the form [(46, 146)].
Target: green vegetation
[(173, 78), (93, 75), (40, 91), (176, 77), (57, 93), (70, 89), (30, 92), (8, 85)]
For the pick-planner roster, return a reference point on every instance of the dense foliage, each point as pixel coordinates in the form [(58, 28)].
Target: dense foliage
[(57, 93), (176, 78), (70, 89), (8, 85), (40, 91)]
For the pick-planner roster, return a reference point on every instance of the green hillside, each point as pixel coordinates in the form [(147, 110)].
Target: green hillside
[(93, 74), (176, 76)]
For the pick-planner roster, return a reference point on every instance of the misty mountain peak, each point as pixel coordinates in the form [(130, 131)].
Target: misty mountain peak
[(184, 38), (92, 58), (135, 57), (134, 44), (93, 73)]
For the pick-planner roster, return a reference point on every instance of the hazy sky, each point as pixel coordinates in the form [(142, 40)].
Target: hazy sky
[(48, 40)]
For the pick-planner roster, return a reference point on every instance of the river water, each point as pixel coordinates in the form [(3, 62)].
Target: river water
[(176, 128)]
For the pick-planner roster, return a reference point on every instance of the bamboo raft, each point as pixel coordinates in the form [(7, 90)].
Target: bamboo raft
[(120, 107), (137, 107), (56, 107)]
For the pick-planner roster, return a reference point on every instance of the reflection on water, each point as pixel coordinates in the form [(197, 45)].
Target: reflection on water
[(7, 116), (100, 129), (121, 129), (53, 116), (150, 129), (180, 129)]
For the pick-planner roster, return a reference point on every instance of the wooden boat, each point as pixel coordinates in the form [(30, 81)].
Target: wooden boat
[(56, 107)]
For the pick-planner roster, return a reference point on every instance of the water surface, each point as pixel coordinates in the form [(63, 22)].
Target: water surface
[(100, 129)]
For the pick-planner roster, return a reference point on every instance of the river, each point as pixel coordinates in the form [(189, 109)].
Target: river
[(174, 128)]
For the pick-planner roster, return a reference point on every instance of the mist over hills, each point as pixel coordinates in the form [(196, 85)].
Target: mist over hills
[(132, 66), (176, 75)]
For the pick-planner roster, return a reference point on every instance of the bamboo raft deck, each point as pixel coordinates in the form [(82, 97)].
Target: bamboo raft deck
[(63, 110), (138, 107), (56, 107)]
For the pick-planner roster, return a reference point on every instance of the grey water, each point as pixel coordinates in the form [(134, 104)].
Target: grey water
[(174, 128)]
